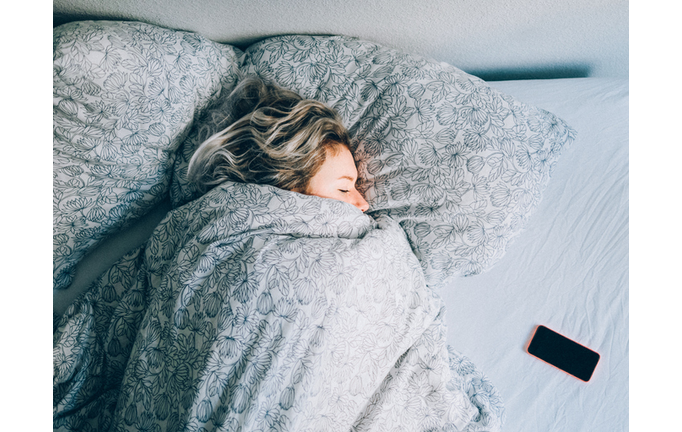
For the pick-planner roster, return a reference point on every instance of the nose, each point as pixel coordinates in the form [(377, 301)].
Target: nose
[(359, 201)]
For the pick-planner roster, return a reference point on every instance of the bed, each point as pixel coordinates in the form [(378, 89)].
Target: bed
[(516, 215)]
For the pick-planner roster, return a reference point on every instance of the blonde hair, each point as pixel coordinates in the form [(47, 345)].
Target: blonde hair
[(278, 139)]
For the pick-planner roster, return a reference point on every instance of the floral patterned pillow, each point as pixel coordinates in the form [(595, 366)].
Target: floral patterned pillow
[(125, 95), (459, 164)]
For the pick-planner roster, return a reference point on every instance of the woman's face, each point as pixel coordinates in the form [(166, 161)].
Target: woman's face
[(336, 179)]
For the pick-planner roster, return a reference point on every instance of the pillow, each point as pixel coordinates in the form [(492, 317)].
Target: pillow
[(125, 95), (459, 164)]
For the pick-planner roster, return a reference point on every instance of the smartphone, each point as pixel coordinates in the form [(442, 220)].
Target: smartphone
[(563, 353)]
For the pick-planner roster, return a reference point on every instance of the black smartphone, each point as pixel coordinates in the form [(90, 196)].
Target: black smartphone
[(563, 353)]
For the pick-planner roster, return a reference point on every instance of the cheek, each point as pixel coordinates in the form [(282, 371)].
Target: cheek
[(347, 198)]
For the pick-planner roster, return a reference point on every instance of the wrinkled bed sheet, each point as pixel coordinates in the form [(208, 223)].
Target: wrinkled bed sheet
[(567, 270), (254, 308)]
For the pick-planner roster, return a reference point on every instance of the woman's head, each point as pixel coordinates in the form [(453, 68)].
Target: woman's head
[(336, 178), (278, 139)]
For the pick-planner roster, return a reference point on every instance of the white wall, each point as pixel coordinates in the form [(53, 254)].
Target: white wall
[(555, 37)]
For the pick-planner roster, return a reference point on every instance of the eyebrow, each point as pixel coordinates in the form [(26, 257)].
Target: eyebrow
[(346, 177)]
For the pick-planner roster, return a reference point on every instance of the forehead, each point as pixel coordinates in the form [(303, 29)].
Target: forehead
[(339, 163)]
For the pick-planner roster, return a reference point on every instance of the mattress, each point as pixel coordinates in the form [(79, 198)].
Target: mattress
[(568, 271)]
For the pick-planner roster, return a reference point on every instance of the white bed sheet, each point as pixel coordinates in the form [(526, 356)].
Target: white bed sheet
[(568, 270)]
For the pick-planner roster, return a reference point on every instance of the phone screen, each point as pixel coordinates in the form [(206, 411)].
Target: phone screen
[(565, 354)]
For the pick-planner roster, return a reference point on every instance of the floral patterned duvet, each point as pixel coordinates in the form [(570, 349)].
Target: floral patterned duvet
[(254, 309)]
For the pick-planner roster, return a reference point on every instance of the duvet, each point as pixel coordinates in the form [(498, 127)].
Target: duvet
[(258, 309)]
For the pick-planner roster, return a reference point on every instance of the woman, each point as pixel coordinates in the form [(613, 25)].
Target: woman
[(282, 140)]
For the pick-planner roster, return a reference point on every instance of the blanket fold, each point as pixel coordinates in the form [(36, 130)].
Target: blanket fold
[(264, 309)]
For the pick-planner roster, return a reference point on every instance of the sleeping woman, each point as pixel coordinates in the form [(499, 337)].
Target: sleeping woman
[(263, 306), (281, 140)]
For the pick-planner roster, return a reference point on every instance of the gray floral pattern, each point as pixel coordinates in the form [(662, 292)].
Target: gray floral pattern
[(125, 96), (457, 163), (266, 309), (92, 342)]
